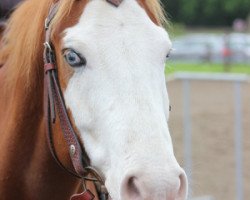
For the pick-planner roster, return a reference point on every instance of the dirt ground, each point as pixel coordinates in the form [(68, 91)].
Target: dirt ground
[(213, 154)]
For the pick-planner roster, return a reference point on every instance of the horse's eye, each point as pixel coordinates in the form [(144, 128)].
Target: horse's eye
[(73, 58)]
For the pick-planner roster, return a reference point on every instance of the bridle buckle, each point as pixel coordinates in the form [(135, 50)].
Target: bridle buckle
[(48, 53), (46, 24), (47, 46)]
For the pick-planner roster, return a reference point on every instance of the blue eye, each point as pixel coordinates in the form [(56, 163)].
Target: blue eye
[(73, 58)]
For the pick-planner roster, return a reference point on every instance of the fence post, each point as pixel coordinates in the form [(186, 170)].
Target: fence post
[(238, 141), (187, 133)]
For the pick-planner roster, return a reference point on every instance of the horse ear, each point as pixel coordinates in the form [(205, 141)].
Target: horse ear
[(2, 28)]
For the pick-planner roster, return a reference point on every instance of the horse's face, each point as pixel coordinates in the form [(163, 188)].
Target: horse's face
[(119, 101)]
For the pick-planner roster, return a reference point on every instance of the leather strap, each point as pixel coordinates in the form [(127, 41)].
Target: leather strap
[(54, 103)]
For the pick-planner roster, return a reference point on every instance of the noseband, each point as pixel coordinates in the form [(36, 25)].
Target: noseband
[(54, 103)]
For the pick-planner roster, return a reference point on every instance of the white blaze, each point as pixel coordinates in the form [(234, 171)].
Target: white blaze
[(119, 100)]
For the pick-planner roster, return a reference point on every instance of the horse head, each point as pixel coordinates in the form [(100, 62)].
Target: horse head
[(114, 86), (110, 66)]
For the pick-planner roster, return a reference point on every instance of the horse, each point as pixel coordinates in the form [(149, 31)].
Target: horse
[(82, 86)]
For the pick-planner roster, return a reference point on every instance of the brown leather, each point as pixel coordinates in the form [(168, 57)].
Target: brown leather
[(79, 158), (54, 104), (54, 100), (86, 195), (48, 67)]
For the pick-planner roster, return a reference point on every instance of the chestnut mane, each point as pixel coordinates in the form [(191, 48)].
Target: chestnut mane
[(22, 43)]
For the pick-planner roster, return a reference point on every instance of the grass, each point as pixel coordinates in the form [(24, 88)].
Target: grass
[(172, 67)]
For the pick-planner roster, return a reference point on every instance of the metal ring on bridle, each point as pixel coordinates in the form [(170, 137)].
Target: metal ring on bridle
[(92, 171), (47, 46)]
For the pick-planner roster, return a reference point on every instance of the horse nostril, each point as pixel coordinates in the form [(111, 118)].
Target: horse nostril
[(146, 187), (131, 188), (182, 192)]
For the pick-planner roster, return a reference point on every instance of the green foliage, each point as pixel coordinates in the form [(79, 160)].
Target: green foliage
[(176, 30), (207, 12)]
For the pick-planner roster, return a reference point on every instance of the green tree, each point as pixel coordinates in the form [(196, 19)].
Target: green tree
[(207, 12)]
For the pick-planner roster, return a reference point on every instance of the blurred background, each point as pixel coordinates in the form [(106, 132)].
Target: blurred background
[(210, 32), (209, 90)]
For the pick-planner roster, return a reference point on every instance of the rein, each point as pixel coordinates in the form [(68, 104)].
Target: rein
[(54, 103)]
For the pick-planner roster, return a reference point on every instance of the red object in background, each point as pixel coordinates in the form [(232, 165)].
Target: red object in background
[(226, 52)]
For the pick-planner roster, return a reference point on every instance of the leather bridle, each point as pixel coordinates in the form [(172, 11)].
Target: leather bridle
[(54, 104)]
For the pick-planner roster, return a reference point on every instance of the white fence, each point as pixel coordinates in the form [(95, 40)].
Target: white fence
[(237, 80)]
